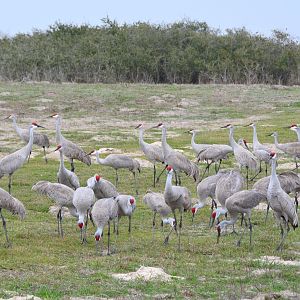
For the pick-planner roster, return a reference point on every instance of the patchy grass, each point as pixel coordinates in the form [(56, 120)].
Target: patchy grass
[(97, 116)]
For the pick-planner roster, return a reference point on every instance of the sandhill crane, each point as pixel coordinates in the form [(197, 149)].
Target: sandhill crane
[(241, 202), (83, 201), (61, 194), (227, 185), (261, 151), (177, 197), (153, 152), (156, 202), (207, 188), (243, 156), (283, 207), (119, 161), (292, 149), (197, 147), (289, 182), (39, 139), (103, 212), (102, 188), (177, 160), (12, 162), (70, 150), (13, 205), (64, 176), (127, 205)]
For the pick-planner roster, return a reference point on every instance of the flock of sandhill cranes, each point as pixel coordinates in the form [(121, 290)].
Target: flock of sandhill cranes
[(100, 201)]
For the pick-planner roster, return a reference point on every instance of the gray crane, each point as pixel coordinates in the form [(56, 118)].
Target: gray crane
[(291, 149), (243, 156), (83, 200), (176, 197), (119, 161), (289, 182), (156, 202), (207, 188), (14, 161), (62, 195), (64, 176), (39, 139), (282, 205), (241, 202), (261, 151), (197, 147), (153, 152), (13, 205), (102, 188), (227, 185), (103, 212), (70, 150), (178, 161)]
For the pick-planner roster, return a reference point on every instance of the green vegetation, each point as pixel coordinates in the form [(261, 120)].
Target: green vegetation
[(95, 116), (181, 52)]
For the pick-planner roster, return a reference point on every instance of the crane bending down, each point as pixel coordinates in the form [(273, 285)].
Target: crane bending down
[(119, 161), (62, 195), (207, 188), (178, 161), (156, 202), (39, 139), (12, 162), (64, 176), (102, 188), (176, 197), (282, 205), (103, 212), (241, 202), (227, 185), (83, 200), (70, 150), (243, 156), (153, 152), (13, 205), (261, 151)]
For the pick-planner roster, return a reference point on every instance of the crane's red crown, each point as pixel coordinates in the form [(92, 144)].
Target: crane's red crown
[(213, 215), (97, 177), (131, 201), (193, 210), (97, 237), (272, 154), (169, 168), (80, 225)]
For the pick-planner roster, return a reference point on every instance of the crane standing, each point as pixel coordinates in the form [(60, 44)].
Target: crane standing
[(64, 176), (12, 162), (153, 152), (13, 205), (281, 203), (102, 188), (39, 139), (70, 150), (63, 197)]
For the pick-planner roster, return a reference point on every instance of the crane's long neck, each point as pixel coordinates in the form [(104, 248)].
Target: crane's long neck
[(298, 134), (168, 187), (62, 164), (17, 128), (30, 142), (274, 181), (255, 139), (58, 130), (225, 223), (193, 143), (276, 142), (142, 143), (232, 142), (100, 161), (164, 144)]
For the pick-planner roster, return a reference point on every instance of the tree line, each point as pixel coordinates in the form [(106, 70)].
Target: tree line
[(181, 52)]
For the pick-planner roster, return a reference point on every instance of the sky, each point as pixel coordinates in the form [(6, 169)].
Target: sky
[(262, 16)]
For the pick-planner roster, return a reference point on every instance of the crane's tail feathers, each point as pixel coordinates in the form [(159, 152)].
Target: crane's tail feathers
[(13, 205)]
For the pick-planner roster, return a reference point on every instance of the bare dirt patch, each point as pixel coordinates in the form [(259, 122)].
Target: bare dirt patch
[(278, 261)]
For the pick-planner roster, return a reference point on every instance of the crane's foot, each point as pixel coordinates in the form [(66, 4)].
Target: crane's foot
[(8, 245), (166, 241), (238, 244)]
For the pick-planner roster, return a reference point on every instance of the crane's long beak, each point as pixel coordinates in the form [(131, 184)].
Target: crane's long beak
[(6, 118), (40, 126)]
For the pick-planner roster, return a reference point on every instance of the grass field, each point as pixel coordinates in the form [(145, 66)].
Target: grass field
[(99, 116)]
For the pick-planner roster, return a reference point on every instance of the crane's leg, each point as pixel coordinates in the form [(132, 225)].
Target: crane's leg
[(172, 228), (8, 244), (268, 208), (117, 231), (9, 183), (296, 200), (154, 175), (59, 224), (260, 170), (45, 156), (266, 169), (179, 234), (129, 224), (240, 239), (284, 233), (219, 166), (117, 178), (247, 177), (250, 228), (157, 179), (135, 184), (108, 238), (72, 165), (206, 169), (153, 224), (28, 157), (116, 236)]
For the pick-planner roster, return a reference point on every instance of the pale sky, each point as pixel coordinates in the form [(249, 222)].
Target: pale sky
[(256, 15)]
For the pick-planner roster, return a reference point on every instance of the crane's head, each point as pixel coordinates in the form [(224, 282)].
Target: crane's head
[(293, 127), (227, 126), (250, 125), (36, 125), (272, 155), (139, 126), (11, 117), (55, 116), (80, 224), (159, 125), (58, 147), (97, 178), (98, 234), (274, 134), (169, 169), (93, 152), (191, 131)]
